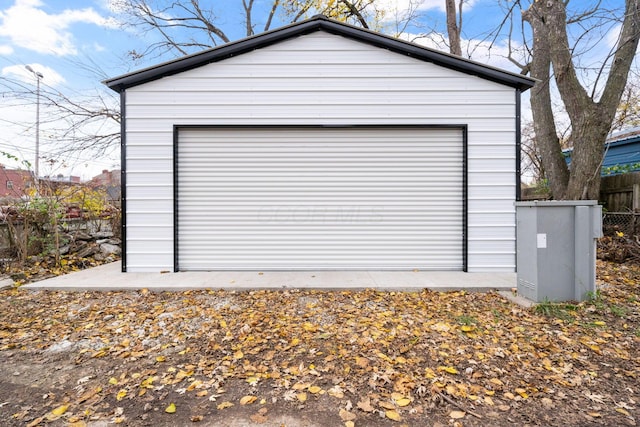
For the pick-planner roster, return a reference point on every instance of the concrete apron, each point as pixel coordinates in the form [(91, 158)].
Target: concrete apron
[(108, 277)]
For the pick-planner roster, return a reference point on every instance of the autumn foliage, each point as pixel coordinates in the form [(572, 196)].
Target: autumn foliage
[(342, 358)]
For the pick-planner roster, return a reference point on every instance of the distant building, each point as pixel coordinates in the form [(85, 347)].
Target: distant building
[(110, 181), (621, 154), (15, 182), (106, 178), (71, 179)]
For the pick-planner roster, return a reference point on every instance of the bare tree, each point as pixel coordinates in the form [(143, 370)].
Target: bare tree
[(530, 155), (591, 116), (189, 26), (75, 122), (454, 25), (561, 56), (628, 113)]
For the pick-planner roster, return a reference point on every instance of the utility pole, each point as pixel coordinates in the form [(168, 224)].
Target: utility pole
[(38, 75)]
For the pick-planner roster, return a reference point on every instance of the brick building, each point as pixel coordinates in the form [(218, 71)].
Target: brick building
[(14, 182)]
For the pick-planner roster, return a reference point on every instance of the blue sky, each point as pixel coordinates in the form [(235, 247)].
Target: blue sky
[(76, 43)]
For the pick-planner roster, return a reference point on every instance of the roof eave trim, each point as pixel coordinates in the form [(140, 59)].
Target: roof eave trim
[(318, 23)]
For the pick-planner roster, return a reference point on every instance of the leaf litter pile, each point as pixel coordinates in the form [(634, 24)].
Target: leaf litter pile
[(320, 358)]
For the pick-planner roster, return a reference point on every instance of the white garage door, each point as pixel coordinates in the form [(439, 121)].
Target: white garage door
[(316, 198)]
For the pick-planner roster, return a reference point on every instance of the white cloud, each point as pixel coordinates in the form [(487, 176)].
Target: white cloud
[(402, 5), (51, 77), (28, 26), (494, 55), (5, 49), (612, 36)]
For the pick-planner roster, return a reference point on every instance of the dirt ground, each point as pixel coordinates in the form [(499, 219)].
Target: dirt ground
[(311, 358)]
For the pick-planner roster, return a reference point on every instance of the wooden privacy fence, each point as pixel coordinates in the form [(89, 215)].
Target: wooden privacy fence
[(621, 193)]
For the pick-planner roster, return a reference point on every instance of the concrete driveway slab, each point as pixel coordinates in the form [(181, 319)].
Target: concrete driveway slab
[(108, 277)]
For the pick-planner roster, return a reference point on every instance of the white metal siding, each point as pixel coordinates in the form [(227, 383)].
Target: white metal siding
[(320, 198), (321, 79)]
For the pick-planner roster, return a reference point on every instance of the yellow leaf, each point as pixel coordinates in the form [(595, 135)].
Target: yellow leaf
[(623, 411), (301, 386), (121, 395), (223, 324), (496, 381), (384, 357), (599, 323), (113, 381), (397, 396), (224, 405), (467, 328), (60, 410), (310, 327), (488, 400), (238, 354), (392, 415), (314, 389), (522, 392), (148, 383), (160, 359), (403, 402), (302, 397), (246, 400), (194, 385), (349, 424), (387, 405), (457, 414), (183, 374), (449, 369), (170, 409), (253, 380)]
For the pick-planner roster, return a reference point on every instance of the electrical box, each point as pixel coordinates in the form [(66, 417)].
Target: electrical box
[(556, 249)]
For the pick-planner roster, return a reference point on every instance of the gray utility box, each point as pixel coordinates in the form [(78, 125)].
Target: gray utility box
[(556, 247)]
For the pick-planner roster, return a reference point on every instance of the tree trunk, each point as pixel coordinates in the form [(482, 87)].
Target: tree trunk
[(544, 126), (453, 30), (590, 120)]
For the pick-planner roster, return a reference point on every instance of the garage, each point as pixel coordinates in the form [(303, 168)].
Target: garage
[(320, 146), (320, 198)]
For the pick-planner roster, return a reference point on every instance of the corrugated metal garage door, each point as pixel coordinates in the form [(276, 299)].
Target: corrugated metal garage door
[(318, 198)]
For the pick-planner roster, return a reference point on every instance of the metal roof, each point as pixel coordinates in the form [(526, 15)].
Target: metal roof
[(318, 23)]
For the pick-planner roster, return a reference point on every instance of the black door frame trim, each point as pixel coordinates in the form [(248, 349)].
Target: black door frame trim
[(123, 180), (461, 127)]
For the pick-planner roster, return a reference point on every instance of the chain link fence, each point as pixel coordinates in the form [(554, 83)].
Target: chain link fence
[(624, 222)]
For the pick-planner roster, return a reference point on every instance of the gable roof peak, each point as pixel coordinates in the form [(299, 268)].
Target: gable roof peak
[(313, 24)]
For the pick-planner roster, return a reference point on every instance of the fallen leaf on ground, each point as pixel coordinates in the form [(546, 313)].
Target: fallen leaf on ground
[(224, 405), (346, 415), (457, 414), (246, 400), (393, 415)]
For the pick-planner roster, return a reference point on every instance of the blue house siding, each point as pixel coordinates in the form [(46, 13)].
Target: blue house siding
[(622, 154)]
